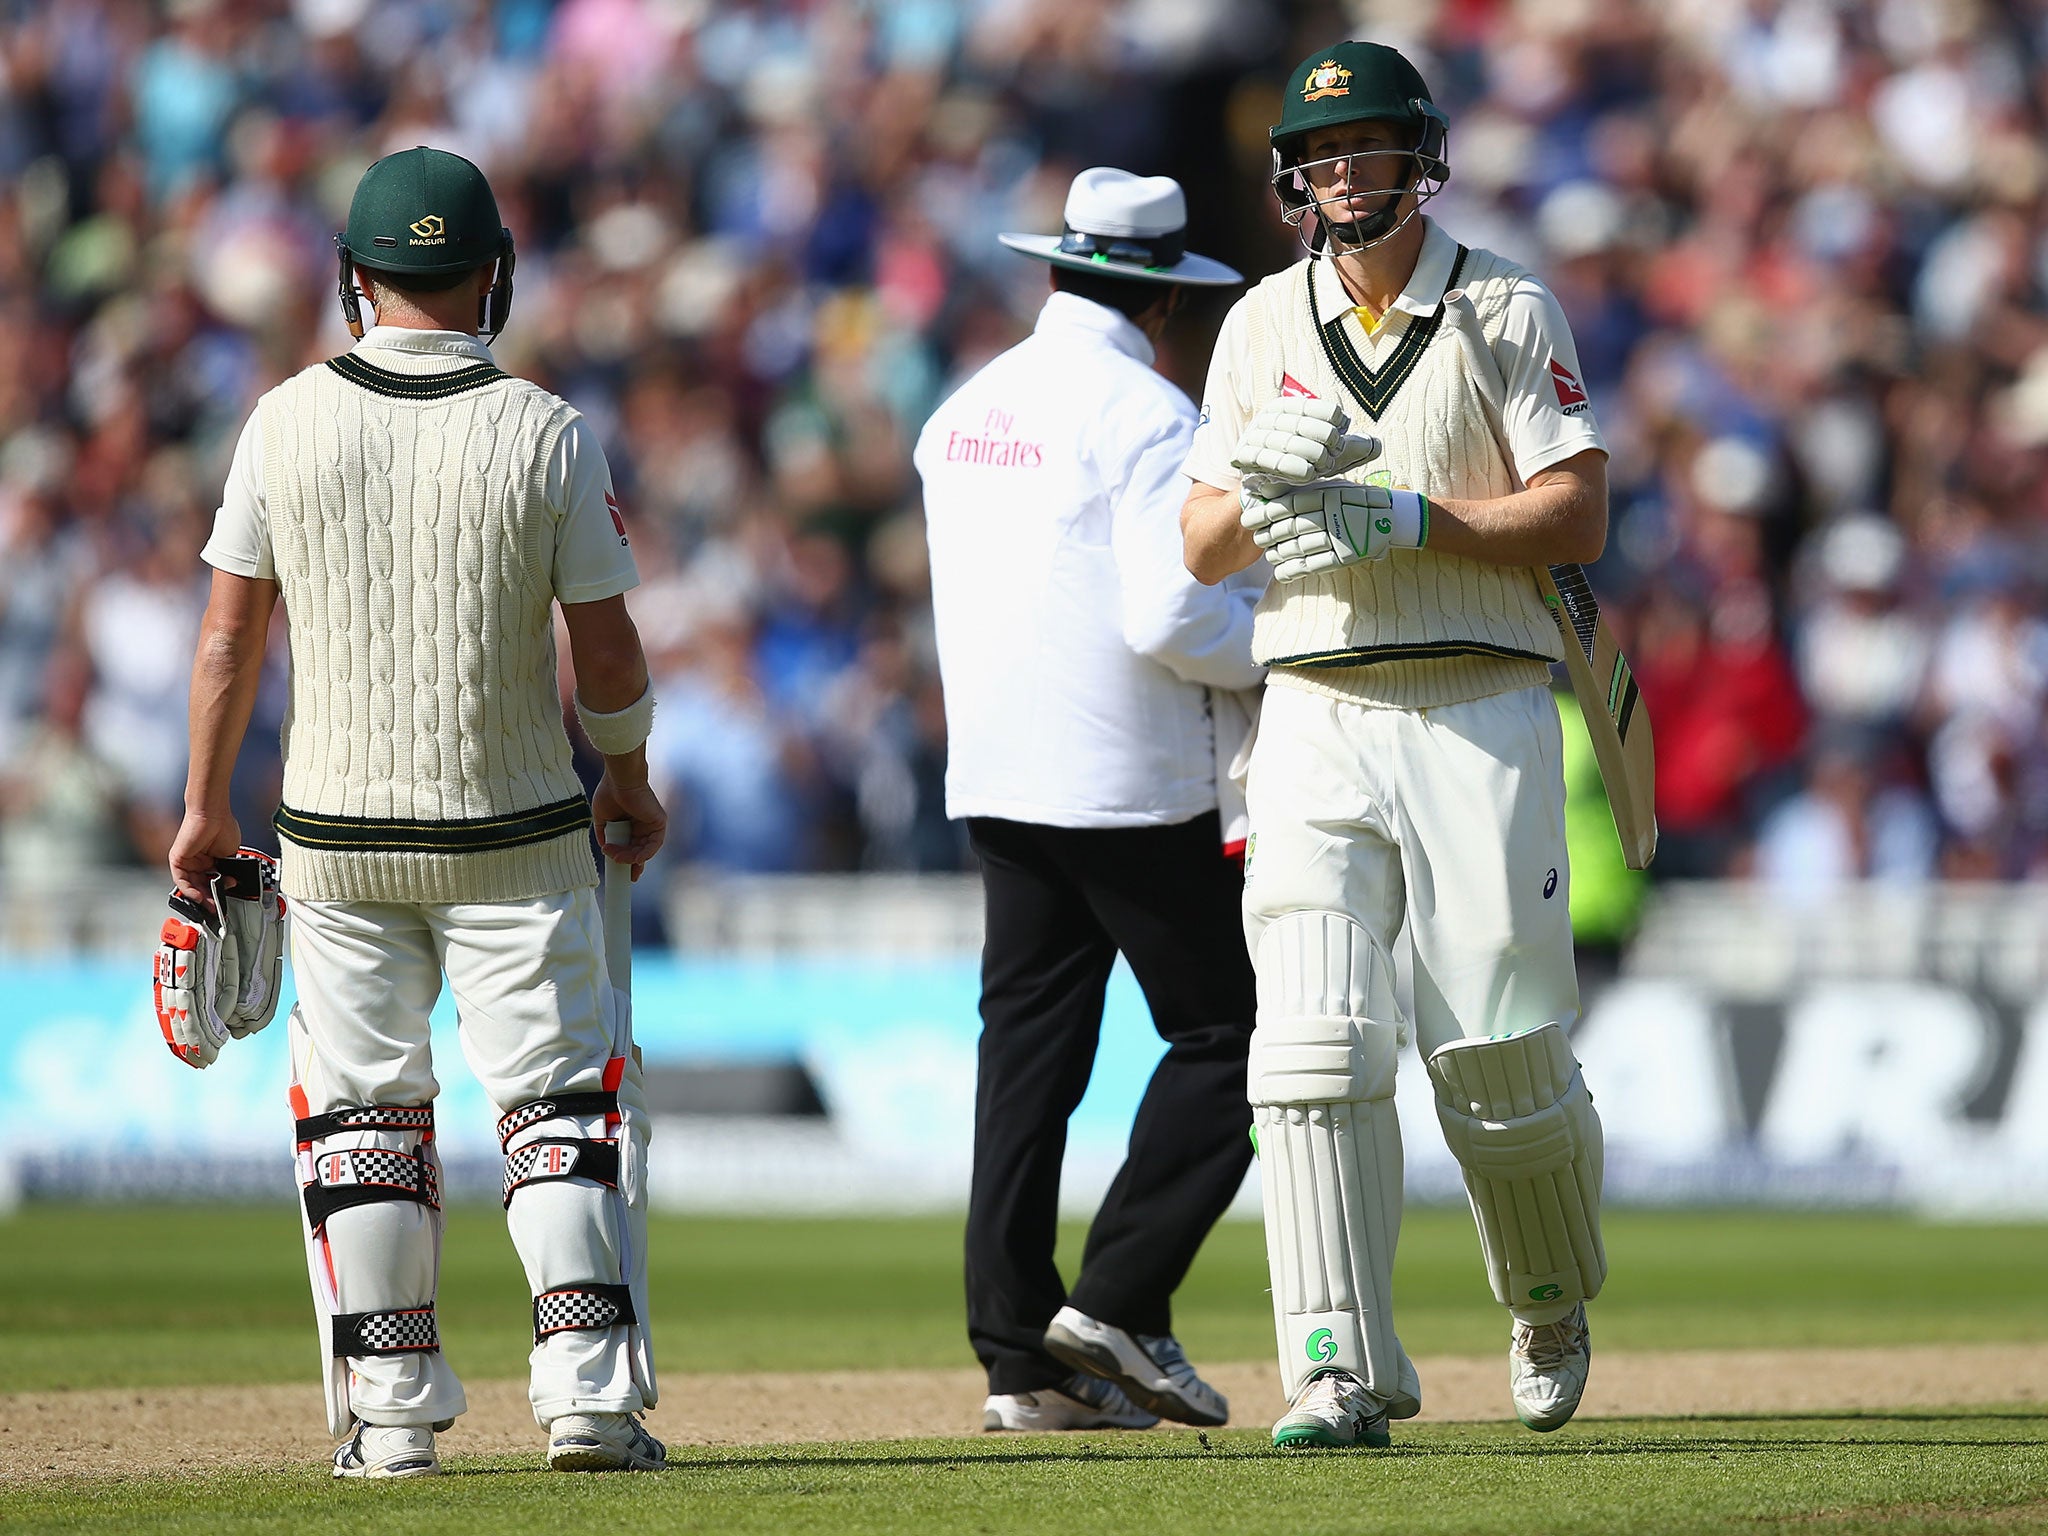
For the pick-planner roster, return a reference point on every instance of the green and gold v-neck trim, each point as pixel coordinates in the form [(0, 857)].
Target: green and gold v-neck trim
[(415, 386), (1375, 388)]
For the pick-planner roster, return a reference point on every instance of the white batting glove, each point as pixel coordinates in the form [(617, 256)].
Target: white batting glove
[(197, 972), (1297, 440), (218, 968), (253, 911), (1321, 527)]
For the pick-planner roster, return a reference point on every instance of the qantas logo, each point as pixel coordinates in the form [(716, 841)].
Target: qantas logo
[(1571, 395), (1292, 388), (611, 504)]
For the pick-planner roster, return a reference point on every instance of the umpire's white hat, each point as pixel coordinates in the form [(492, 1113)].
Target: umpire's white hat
[(1120, 225)]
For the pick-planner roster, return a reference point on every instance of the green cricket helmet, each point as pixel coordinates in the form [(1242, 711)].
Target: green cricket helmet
[(427, 219), (1353, 82)]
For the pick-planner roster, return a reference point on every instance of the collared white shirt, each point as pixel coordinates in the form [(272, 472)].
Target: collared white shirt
[(1546, 415), (1075, 649), (592, 560)]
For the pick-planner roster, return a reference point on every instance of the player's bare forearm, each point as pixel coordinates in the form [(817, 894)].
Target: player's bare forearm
[(611, 676), (1214, 541), (226, 670), (1560, 519)]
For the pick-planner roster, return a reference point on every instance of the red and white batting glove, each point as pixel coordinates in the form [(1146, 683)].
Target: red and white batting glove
[(196, 972), (218, 969)]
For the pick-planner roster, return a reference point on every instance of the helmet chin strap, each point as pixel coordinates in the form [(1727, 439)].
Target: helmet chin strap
[(1358, 234)]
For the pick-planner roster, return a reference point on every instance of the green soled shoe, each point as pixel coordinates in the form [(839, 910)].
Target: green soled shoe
[(1333, 1410)]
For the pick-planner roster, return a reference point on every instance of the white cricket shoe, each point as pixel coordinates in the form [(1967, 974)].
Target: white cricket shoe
[(1151, 1368), (1547, 1366), (387, 1450), (603, 1442), (1080, 1402), (1334, 1409)]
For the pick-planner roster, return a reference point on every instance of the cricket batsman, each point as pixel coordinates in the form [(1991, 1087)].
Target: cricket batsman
[(1407, 772), (419, 512)]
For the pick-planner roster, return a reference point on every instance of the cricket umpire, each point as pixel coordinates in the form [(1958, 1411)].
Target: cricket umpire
[(1078, 660), (1407, 778), (419, 512)]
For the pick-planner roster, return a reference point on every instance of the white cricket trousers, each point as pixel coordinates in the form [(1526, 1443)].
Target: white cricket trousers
[(1448, 820), (536, 1016)]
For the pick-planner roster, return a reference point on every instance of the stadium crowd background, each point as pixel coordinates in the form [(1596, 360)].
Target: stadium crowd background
[(1803, 244)]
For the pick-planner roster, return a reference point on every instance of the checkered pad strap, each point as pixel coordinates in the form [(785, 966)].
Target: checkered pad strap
[(540, 1162), (407, 1331), (586, 1305), (365, 1175), (368, 1117), (593, 1102)]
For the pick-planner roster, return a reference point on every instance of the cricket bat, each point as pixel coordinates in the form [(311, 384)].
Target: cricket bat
[(1601, 679), (1615, 717), (618, 917)]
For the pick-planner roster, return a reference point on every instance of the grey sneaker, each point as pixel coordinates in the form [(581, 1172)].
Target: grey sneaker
[(603, 1442), (1080, 1402), (1152, 1369), (387, 1450), (1547, 1368), (1333, 1408)]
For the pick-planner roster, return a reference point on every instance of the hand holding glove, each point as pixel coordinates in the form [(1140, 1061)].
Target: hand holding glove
[(1297, 439), (218, 967), (1315, 528)]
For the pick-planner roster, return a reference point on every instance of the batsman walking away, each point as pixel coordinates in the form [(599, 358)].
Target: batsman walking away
[(1407, 778), (419, 513)]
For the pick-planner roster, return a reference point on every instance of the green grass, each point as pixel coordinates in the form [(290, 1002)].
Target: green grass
[(1894, 1474), (96, 1297), (101, 1297)]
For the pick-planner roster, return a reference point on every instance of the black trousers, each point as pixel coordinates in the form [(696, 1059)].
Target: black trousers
[(1061, 903)]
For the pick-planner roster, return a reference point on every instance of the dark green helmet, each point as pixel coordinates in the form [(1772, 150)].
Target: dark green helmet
[(428, 216), (1352, 82)]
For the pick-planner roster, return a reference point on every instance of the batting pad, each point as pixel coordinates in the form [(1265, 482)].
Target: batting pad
[(1321, 1083), (1522, 1125), (371, 1216)]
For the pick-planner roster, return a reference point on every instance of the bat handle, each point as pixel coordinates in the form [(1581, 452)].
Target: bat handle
[(618, 910)]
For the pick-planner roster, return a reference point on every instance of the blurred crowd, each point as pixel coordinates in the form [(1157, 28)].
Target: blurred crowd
[(1803, 244)]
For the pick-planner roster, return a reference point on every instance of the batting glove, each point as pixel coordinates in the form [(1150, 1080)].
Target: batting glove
[(1297, 440), (218, 968), (1317, 528)]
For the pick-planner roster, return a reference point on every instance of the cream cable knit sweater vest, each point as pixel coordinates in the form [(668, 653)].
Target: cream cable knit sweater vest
[(424, 754), (1417, 628)]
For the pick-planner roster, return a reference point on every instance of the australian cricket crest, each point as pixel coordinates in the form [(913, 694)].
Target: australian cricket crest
[(1326, 79)]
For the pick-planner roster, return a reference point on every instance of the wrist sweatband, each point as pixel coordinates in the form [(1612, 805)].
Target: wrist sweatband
[(622, 730)]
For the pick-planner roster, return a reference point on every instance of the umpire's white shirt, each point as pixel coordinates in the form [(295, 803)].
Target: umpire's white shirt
[(1076, 651)]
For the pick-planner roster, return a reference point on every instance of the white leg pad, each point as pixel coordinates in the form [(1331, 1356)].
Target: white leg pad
[(570, 1233), (1321, 1083), (1520, 1122), (385, 1258)]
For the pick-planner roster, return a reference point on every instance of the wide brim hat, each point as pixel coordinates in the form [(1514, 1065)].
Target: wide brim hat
[(1125, 226)]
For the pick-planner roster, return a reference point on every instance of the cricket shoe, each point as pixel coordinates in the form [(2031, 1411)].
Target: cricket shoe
[(1151, 1368), (1547, 1366), (387, 1450), (603, 1442), (1333, 1409), (1080, 1402)]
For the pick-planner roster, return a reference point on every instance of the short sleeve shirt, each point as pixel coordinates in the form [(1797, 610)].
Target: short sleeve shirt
[(1548, 418), (592, 559)]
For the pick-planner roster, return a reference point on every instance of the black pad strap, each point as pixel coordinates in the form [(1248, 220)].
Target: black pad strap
[(368, 1117), (405, 1331), (586, 1305), (539, 1162), (594, 1101), (365, 1175)]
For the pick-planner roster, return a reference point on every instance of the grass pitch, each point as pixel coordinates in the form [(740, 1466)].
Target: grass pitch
[(1895, 1474), (95, 1297), (102, 1298)]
